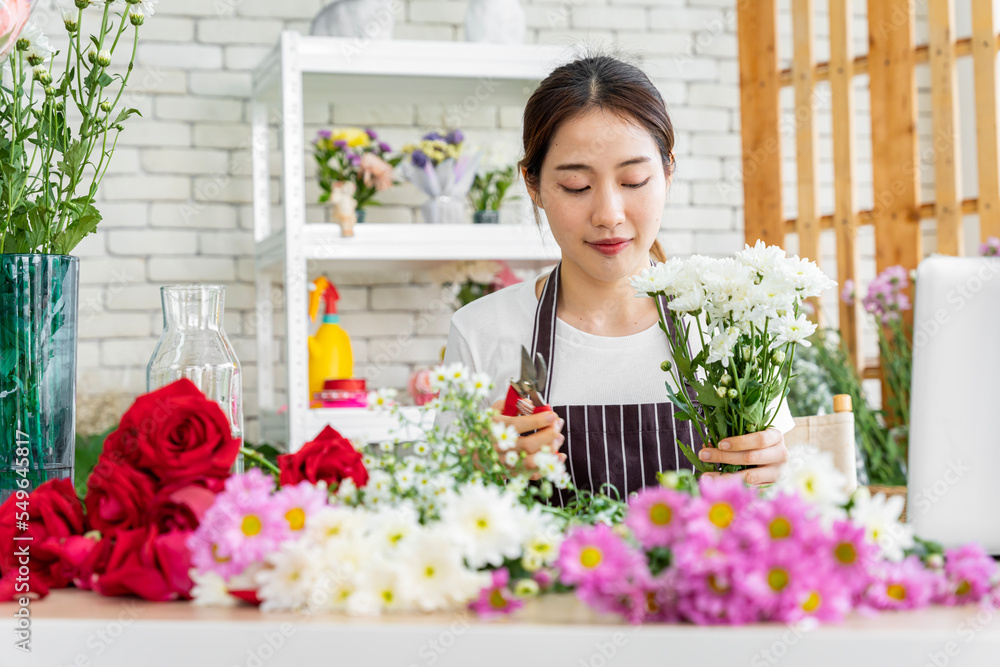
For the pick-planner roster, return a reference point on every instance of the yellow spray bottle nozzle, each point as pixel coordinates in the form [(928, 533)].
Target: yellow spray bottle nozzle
[(318, 289)]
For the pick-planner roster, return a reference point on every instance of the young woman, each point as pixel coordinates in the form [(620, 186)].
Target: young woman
[(598, 159)]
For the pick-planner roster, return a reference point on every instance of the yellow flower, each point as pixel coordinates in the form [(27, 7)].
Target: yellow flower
[(354, 136)]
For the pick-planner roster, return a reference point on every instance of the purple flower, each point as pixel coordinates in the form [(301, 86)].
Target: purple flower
[(454, 137), (968, 572), (371, 133), (323, 134), (655, 516), (886, 298), (847, 295), (593, 555), (432, 136), (340, 143), (354, 159), (419, 158), (384, 147), (496, 599), (991, 247), (903, 585)]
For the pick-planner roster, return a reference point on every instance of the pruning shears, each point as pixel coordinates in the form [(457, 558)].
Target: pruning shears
[(524, 397)]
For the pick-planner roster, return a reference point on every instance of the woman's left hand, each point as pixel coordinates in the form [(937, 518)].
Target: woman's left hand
[(765, 449)]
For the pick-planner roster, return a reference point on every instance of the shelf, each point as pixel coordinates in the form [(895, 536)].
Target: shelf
[(416, 70), (357, 424), (415, 245)]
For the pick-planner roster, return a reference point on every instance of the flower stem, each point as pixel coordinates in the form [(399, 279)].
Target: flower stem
[(260, 459)]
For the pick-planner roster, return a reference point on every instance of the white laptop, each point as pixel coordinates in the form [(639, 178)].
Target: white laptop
[(953, 491)]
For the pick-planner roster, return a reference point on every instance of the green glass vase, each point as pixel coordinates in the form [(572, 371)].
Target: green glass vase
[(39, 297)]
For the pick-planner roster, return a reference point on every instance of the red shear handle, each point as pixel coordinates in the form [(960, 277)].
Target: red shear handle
[(515, 406)]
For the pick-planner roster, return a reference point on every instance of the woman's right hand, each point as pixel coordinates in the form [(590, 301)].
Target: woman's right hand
[(548, 432)]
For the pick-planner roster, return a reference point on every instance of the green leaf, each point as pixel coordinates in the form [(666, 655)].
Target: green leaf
[(104, 80), (699, 465), (82, 225), (124, 115)]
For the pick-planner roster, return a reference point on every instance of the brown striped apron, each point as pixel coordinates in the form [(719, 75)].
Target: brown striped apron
[(623, 445)]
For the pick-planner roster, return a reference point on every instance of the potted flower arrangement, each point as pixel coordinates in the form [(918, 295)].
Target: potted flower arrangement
[(51, 171), (440, 168), (353, 165), (489, 188)]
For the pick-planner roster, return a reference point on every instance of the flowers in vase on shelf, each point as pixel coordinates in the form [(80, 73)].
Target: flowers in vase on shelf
[(357, 156), (53, 209), (716, 551), (441, 167), (737, 322), (473, 279)]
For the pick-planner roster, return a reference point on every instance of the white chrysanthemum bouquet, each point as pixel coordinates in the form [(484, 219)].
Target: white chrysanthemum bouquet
[(737, 320)]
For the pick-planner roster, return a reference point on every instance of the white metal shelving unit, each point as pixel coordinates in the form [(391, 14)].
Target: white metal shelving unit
[(305, 68)]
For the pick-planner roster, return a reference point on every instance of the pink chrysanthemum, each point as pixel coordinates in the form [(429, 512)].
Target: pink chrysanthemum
[(787, 519), (497, 598), (903, 585), (719, 506), (710, 592), (296, 503), (850, 554), (823, 598), (655, 516), (594, 555), (640, 597), (968, 574), (250, 484), (779, 583)]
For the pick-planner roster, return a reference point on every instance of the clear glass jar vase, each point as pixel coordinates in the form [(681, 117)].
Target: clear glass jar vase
[(194, 346)]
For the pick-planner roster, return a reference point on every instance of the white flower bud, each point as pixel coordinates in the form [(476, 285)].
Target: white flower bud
[(104, 58), (725, 379), (778, 357), (136, 17), (526, 588), (42, 75), (70, 21), (720, 392), (732, 393)]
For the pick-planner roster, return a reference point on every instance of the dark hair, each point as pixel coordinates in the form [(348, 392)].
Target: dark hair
[(593, 82)]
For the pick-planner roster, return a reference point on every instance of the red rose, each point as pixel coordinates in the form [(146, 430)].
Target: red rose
[(330, 458), (145, 563), (175, 432), (49, 516), (180, 509), (118, 496)]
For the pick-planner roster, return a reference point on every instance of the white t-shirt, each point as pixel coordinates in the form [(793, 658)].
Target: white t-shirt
[(487, 336)]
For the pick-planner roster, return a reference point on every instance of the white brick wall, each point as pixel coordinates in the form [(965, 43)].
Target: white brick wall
[(176, 201)]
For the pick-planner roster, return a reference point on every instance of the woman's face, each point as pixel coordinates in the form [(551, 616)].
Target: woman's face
[(603, 188)]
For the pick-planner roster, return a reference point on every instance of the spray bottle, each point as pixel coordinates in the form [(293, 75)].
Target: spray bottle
[(330, 356)]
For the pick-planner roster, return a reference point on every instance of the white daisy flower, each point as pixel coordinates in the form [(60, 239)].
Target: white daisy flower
[(504, 435), (487, 523), (286, 585), (880, 517), (210, 590)]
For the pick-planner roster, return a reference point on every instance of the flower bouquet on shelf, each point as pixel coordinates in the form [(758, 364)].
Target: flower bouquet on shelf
[(440, 167), (448, 520), (352, 166), (738, 321), (717, 552), (474, 279), (489, 188)]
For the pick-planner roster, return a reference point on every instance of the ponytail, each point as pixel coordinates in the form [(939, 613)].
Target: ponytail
[(657, 252)]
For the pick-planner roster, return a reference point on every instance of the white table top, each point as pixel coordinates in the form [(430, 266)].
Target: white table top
[(78, 628)]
